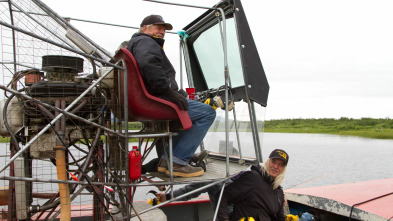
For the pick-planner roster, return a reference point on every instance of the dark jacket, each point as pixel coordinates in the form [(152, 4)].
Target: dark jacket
[(156, 70), (253, 196)]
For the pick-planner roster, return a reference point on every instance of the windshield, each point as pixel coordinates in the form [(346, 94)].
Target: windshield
[(209, 51)]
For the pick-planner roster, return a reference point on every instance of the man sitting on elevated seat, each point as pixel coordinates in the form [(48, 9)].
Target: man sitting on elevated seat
[(159, 77)]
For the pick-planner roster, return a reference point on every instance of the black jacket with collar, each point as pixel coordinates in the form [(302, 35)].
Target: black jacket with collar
[(156, 69), (253, 196)]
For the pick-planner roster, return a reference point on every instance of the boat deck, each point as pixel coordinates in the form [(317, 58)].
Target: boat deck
[(340, 198), (215, 168)]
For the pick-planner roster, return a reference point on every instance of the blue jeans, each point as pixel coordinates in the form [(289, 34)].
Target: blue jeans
[(186, 142)]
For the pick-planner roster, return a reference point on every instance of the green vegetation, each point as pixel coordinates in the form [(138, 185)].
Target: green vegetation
[(131, 126), (364, 127), (134, 125), (4, 139)]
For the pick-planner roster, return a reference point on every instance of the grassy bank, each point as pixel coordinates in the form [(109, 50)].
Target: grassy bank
[(7, 139), (4, 139), (364, 127)]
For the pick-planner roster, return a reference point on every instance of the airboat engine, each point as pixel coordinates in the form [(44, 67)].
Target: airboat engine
[(57, 84), (61, 77)]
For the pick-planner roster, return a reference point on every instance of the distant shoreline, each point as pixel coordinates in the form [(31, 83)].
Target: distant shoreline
[(361, 133), (364, 127)]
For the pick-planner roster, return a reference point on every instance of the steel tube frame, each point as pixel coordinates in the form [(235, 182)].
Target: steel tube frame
[(13, 178), (53, 121), (226, 75), (178, 4), (69, 114), (66, 24), (59, 45), (39, 23), (184, 195), (64, 190), (219, 201)]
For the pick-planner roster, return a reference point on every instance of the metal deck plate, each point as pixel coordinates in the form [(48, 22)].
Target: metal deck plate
[(214, 169)]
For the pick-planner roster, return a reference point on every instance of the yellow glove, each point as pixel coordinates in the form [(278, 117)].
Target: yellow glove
[(291, 217), (210, 102), (248, 219), (153, 202)]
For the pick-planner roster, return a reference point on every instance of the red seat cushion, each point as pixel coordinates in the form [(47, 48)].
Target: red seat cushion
[(143, 106)]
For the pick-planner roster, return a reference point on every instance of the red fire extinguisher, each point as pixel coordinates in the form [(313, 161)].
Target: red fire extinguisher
[(134, 163)]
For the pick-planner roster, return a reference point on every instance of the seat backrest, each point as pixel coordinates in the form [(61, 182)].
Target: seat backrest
[(143, 106)]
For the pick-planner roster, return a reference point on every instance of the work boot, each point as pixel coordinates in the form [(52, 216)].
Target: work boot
[(151, 166), (162, 166), (196, 158), (186, 171)]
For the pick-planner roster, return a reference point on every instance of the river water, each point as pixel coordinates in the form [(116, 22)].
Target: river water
[(332, 159), (315, 159)]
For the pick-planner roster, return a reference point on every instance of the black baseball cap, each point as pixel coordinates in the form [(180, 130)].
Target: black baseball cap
[(156, 20), (279, 154)]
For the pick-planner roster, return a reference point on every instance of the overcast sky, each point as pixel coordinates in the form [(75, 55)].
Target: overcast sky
[(323, 59)]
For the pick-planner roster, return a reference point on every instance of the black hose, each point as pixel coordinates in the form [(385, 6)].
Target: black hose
[(7, 126), (350, 214)]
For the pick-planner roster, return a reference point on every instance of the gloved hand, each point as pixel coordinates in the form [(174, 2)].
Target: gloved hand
[(177, 99)]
